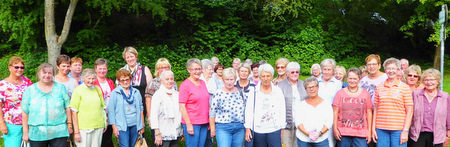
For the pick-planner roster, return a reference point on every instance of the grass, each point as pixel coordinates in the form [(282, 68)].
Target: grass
[(302, 77)]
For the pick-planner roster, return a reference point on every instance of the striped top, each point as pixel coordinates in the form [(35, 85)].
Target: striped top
[(391, 105)]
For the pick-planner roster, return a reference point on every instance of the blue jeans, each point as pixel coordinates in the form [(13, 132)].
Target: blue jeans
[(129, 137), (323, 143), (389, 138), (272, 139), (346, 141), (199, 137), (230, 134)]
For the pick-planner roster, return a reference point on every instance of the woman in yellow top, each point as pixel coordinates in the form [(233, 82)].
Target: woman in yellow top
[(88, 114)]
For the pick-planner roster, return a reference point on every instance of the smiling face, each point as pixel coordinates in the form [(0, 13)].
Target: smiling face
[(76, 67), (255, 71), (208, 71), (281, 69), (195, 71), (89, 80), (316, 71), (339, 74), (352, 79), (125, 82), (219, 71), (431, 83), (167, 81), (16, 69), (131, 59), (293, 74), (243, 73), (391, 71), (163, 67), (266, 78), (101, 70), (46, 75), (236, 65), (412, 78), (373, 66), (312, 89), (327, 72), (64, 68)]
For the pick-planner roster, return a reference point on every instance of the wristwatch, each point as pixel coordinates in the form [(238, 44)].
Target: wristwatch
[(406, 130)]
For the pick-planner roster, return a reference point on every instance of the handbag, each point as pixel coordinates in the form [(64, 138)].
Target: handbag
[(24, 144), (140, 142)]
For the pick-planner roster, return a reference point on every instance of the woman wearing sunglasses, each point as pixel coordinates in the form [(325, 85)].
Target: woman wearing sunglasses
[(280, 66), (412, 77)]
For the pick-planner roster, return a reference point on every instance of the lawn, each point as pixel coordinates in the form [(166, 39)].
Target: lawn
[(302, 77)]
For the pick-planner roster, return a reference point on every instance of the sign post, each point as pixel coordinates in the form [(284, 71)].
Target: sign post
[(443, 21)]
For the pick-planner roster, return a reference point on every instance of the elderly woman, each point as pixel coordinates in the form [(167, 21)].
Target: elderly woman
[(141, 74), (166, 120), (313, 117), (412, 77), (162, 64), (207, 72), (63, 66), (215, 60), (316, 71), (393, 108), (194, 105), (46, 116), (226, 125), (255, 76), (294, 93), (280, 66), (352, 107), (11, 90), (107, 86), (340, 74), (218, 69), (76, 65), (126, 110), (88, 111), (243, 84), (364, 71), (329, 86), (265, 113), (430, 125)]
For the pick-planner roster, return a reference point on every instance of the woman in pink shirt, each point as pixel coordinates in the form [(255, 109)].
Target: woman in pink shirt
[(194, 105)]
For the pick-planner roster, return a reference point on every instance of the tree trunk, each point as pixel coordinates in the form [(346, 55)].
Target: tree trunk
[(437, 58)]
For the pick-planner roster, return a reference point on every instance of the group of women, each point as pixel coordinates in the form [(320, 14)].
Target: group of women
[(240, 106)]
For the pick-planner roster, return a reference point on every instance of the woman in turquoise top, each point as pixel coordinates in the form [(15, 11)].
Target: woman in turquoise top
[(46, 114)]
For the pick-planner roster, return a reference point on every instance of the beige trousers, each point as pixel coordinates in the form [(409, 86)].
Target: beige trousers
[(90, 138)]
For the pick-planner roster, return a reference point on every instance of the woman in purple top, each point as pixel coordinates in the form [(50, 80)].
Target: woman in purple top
[(194, 105), (430, 125)]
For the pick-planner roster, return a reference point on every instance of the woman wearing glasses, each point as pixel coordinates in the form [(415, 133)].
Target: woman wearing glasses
[(194, 105), (11, 90), (280, 66), (412, 77)]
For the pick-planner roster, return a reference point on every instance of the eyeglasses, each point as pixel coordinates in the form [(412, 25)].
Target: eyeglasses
[(411, 75), (312, 87), (281, 67), (125, 80), (295, 72), (429, 80), (196, 69), (391, 69), (164, 67), (371, 64), (17, 67)]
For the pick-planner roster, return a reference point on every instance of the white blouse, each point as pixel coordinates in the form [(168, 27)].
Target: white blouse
[(313, 118), (165, 114)]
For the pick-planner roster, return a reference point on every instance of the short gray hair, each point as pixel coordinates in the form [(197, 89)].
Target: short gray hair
[(249, 61), (265, 68), (314, 65), (42, 67), (88, 72), (309, 80), (355, 70), (206, 63), (328, 62), (192, 61), (432, 72), (229, 72), (245, 65), (292, 65), (215, 59), (236, 60), (164, 73), (406, 60), (391, 60)]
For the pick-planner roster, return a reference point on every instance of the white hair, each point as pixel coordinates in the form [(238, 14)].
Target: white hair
[(266, 68), (314, 65), (206, 63), (328, 62), (164, 73), (292, 65), (215, 59)]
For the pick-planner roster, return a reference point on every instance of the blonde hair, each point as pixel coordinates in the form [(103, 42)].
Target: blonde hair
[(282, 61), (344, 72), (433, 72), (129, 49), (415, 68), (15, 60), (160, 62)]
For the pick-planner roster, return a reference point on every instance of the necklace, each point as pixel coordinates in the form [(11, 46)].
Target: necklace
[(357, 88)]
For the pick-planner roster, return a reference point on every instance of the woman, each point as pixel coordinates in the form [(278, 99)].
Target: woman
[(280, 65), (265, 113), (255, 77), (63, 66), (316, 71), (126, 111), (88, 111), (243, 84), (364, 71), (194, 105), (412, 77), (313, 117), (431, 120), (141, 74), (106, 85), (162, 64), (393, 108), (340, 75), (76, 65), (46, 116), (227, 125), (207, 72), (166, 120), (352, 107), (11, 90), (218, 69)]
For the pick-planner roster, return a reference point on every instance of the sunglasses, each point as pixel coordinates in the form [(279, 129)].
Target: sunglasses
[(415, 76), (295, 72), (17, 67), (281, 67)]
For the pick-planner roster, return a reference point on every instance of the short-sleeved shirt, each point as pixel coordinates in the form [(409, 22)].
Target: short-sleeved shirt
[(196, 99), (89, 104), (70, 85), (227, 107), (352, 115), (392, 102), (371, 84), (46, 112), (11, 97)]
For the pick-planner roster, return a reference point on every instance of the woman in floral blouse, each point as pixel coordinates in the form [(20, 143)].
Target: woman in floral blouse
[(11, 90)]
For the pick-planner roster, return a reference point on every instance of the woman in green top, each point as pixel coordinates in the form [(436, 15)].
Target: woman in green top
[(46, 114), (88, 112)]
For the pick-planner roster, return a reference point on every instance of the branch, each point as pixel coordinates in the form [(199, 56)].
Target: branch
[(68, 21), (96, 23)]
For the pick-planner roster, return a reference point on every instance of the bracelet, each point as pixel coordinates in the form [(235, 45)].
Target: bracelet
[(69, 126), (157, 134), (69, 122)]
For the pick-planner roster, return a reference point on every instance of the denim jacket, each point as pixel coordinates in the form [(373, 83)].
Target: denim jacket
[(116, 110)]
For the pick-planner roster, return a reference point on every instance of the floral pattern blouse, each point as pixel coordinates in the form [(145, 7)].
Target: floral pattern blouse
[(11, 97)]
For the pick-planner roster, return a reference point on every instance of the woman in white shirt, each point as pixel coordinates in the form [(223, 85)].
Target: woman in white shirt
[(265, 113), (313, 117)]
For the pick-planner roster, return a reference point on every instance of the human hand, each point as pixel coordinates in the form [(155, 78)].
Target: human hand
[(248, 135), (77, 137), (337, 134), (403, 137), (190, 129)]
